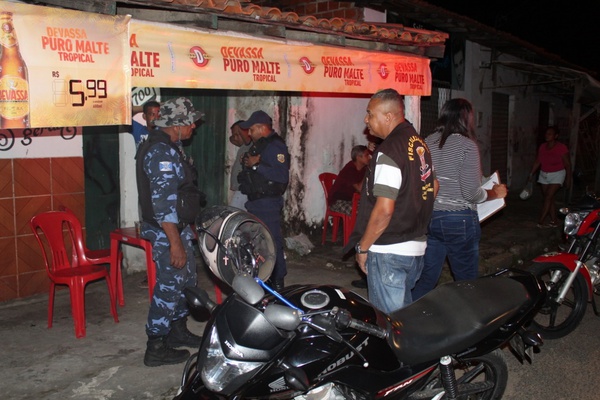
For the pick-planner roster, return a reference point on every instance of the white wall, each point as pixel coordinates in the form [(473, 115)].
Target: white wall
[(134, 258), (320, 132), (480, 84), (41, 143)]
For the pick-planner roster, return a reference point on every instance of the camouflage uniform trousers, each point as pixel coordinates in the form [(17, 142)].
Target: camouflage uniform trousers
[(168, 302)]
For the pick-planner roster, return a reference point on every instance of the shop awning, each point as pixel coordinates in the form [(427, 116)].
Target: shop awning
[(165, 55)]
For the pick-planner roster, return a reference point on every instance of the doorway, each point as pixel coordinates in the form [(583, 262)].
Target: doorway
[(499, 137)]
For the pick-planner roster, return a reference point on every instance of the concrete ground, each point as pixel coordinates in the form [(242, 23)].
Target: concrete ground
[(43, 363)]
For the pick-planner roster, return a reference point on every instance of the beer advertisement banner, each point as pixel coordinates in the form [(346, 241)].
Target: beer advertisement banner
[(64, 141), (62, 68), (164, 55)]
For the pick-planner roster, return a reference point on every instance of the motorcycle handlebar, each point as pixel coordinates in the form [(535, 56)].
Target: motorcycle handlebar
[(343, 319), (368, 328)]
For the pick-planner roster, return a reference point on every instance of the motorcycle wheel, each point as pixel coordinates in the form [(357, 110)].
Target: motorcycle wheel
[(555, 320), (482, 378)]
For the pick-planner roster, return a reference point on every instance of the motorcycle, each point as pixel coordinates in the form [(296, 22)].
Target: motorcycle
[(572, 275), (327, 342)]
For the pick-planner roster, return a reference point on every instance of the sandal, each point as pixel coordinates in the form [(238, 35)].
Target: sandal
[(544, 226), (553, 224)]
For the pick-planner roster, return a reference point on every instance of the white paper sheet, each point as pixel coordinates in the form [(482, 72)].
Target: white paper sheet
[(491, 207)]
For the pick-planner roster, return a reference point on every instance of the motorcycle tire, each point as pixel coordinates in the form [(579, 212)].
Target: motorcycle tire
[(471, 375), (555, 320)]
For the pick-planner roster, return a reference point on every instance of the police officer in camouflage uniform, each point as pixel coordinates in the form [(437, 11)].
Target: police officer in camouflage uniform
[(264, 180), (163, 172)]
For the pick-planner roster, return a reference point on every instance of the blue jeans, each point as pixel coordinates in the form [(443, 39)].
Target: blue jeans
[(268, 210), (390, 279), (452, 234)]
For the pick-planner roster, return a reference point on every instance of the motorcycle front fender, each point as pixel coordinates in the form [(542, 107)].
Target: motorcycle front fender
[(566, 259), (569, 261)]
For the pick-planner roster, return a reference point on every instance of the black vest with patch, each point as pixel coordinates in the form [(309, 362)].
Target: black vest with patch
[(252, 183), (189, 198)]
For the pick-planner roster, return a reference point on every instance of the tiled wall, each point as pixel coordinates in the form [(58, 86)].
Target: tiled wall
[(28, 187)]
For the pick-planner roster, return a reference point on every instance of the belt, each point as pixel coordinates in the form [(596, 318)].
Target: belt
[(180, 225), (258, 196)]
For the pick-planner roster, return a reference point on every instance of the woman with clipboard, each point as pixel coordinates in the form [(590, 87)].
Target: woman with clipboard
[(454, 230)]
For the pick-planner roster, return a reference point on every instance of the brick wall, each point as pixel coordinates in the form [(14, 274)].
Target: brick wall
[(27, 187)]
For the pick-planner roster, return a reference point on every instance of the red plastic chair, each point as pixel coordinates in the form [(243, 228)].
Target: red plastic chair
[(95, 257), (327, 179), (51, 229)]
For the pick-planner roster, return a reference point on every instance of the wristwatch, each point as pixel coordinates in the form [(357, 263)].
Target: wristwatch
[(359, 250)]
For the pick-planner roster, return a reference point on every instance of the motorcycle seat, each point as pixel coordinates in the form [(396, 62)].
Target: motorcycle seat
[(453, 317)]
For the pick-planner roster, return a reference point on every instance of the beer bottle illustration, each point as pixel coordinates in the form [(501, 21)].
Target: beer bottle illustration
[(14, 84)]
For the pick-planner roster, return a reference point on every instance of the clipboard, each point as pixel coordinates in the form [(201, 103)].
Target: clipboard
[(491, 207)]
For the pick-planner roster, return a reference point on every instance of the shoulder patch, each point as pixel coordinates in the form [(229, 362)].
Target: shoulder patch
[(165, 166), (281, 158)]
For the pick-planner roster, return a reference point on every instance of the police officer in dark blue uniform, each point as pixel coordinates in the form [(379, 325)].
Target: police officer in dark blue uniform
[(169, 202), (264, 179)]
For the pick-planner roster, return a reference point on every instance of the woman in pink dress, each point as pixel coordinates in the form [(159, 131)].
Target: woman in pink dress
[(555, 169)]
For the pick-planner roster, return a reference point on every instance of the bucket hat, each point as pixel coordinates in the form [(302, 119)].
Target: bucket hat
[(177, 112)]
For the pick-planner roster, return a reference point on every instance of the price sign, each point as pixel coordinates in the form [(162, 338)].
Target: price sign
[(77, 63), (78, 92)]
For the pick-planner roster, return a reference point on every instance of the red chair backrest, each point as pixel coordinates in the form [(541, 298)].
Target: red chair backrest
[(327, 179), (76, 231), (57, 226)]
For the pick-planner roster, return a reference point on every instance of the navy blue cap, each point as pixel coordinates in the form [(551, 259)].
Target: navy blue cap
[(257, 117)]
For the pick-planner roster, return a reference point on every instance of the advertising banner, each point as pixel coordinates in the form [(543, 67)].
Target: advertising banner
[(41, 142), (165, 55), (62, 68)]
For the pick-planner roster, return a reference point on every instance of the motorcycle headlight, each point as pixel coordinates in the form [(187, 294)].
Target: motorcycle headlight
[(573, 221), (219, 372)]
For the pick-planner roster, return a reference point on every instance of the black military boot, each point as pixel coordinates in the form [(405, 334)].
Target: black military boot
[(278, 285), (180, 336), (159, 353)]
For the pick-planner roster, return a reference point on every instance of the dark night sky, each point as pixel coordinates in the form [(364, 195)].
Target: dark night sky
[(569, 29)]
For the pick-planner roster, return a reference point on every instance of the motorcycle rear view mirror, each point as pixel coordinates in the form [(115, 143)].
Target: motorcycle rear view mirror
[(248, 289), (283, 317)]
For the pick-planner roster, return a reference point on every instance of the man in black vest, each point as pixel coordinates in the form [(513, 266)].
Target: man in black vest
[(165, 179), (395, 207), (264, 180)]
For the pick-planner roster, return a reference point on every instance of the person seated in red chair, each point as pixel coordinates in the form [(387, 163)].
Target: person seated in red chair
[(349, 180)]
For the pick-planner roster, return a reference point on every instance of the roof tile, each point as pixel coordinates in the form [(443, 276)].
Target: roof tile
[(393, 33)]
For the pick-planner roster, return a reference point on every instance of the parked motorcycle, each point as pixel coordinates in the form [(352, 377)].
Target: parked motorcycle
[(571, 276), (327, 342)]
